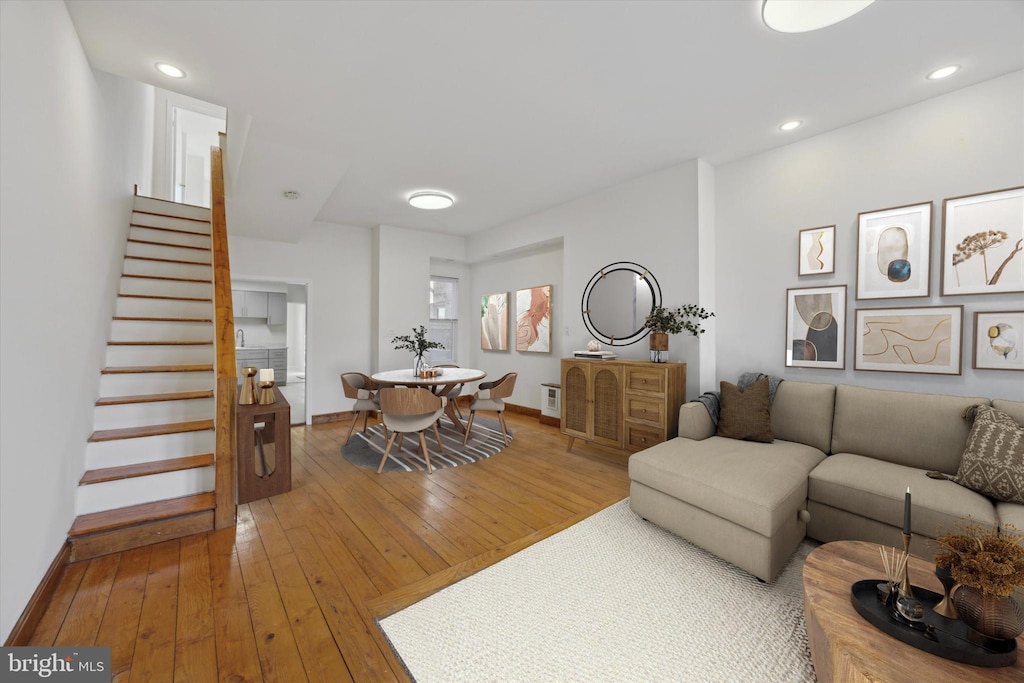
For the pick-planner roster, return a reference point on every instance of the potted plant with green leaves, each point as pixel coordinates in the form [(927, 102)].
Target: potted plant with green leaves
[(664, 321), (417, 343)]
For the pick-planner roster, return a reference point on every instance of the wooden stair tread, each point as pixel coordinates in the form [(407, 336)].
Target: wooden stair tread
[(143, 469), (167, 342), (150, 430), (171, 215), (154, 398), (165, 277), (108, 520), (136, 369), (164, 297), (164, 320), (168, 260), (167, 244), (157, 227)]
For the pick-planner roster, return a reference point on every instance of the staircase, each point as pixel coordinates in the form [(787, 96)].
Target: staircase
[(150, 461)]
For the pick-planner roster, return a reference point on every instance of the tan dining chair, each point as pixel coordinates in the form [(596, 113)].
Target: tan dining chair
[(456, 391), (364, 390), (408, 410), (489, 397)]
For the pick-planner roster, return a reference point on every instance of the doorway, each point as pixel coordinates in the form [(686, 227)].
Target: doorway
[(194, 133)]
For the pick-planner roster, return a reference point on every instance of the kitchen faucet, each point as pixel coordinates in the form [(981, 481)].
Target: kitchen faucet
[(242, 334)]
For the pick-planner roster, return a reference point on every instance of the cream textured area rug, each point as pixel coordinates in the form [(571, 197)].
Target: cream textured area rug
[(613, 598)]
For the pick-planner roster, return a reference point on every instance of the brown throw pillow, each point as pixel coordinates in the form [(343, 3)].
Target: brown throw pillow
[(745, 412), (993, 462)]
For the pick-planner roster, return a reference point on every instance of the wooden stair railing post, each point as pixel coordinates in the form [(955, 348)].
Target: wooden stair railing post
[(225, 513)]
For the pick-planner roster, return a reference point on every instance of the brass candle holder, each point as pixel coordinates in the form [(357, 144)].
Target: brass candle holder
[(905, 589), (247, 394), (266, 393)]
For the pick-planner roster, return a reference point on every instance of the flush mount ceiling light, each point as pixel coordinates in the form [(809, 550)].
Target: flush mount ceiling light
[(430, 200), (169, 70), (291, 194), (800, 16), (943, 72), (791, 125)]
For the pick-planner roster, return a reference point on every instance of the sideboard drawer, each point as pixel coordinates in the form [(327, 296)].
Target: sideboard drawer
[(646, 380), (639, 437), (649, 410)]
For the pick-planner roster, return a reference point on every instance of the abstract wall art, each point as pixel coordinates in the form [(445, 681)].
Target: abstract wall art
[(893, 248), (816, 327), (923, 340), (983, 243), (997, 340), (494, 322), (533, 319), (817, 251)]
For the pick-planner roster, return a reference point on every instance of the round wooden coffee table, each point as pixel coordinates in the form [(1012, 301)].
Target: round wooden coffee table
[(845, 647)]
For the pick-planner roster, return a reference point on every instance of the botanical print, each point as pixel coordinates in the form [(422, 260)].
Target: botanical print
[(893, 248), (494, 322), (817, 251), (815, 327), (983, 243), (533, 319), (923, 340), (997, 340)]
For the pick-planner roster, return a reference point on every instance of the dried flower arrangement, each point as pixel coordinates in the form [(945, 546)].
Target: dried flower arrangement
[(984, 558)]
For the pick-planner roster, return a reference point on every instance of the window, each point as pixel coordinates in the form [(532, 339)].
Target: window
[(444, 317)]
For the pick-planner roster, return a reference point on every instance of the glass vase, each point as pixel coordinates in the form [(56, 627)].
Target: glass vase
[(995, 616)]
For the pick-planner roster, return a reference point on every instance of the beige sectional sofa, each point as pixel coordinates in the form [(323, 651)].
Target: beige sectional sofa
[(842, 459)]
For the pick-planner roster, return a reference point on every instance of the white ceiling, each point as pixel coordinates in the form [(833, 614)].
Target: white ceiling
[(514, 107)]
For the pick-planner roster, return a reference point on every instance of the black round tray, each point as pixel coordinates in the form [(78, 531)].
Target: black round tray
[(947, 638)]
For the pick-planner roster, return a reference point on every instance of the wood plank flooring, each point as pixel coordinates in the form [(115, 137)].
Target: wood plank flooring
[(292, 593)]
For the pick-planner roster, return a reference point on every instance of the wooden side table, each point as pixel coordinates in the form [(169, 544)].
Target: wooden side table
[(845, 647), (266, 471)]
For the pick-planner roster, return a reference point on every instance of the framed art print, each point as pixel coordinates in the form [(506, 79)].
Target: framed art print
[(997, 339), (983, 243), (533, 319), (893, 248), (817, 251), (816, 327), (494, 322), (923, 340)]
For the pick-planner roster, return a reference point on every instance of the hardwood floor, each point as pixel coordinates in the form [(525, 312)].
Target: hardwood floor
[(291, 593)]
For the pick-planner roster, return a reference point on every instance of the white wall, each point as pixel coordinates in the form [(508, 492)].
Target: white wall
[(333, 260), (965, 142), (65, 197)]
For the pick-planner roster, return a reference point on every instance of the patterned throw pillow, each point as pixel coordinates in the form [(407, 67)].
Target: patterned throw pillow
[(993, 463), (745, 412)]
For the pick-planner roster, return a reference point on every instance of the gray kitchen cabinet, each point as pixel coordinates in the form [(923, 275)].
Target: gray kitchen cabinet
[(279, 362), (277, 308), (276, 359)]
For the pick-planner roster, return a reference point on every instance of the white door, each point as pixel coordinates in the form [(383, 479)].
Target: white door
[(194, 134)]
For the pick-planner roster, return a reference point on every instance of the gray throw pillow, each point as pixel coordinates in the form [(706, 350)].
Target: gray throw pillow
[(993, 461), (746, 412)]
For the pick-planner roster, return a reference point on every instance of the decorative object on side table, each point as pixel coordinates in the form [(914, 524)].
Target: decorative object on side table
[(247, 394), (418, 344), (663, 321), (988, 564), (266, 395)]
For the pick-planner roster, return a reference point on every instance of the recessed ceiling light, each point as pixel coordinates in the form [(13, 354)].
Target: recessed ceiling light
[(800, 16), (791, 125), (943, 72), (169, 70), (430, 200)]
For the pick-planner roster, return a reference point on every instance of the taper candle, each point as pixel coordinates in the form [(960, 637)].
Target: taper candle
[(906, 513)]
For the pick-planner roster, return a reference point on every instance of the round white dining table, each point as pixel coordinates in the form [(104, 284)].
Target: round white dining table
[(440, 385)]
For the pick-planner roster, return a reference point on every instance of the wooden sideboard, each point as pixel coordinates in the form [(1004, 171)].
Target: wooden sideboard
[(629, 405)]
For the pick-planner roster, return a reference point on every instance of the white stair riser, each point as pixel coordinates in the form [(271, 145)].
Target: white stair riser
[(170, 208), (102, 454), (158, 330), (159, 268), (109, 495), (139, 285), (155, 413), (168, 237), (165, 251), (163, 308), (134, 384), (120, 356)]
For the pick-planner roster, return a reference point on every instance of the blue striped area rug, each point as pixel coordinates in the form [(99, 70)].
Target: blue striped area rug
[(366, 449)]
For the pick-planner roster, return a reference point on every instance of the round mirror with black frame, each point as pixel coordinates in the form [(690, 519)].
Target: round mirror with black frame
[(617, 300)]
